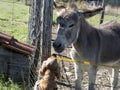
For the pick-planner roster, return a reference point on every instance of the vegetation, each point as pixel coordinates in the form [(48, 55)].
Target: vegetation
[(8, 85), (95, 20), (14, 18)]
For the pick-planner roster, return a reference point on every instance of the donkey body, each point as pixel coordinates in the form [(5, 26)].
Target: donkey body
[(97, 45)]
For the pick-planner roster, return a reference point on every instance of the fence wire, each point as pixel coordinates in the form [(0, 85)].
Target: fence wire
[(15, 68), (26, 69)]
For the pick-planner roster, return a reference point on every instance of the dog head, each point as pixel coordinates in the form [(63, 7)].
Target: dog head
[(52, 65)]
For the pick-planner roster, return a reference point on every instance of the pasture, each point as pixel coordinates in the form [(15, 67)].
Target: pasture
[(14, 19), (15, 22)]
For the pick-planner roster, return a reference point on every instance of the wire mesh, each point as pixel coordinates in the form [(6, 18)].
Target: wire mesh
[(14, 67), (25, 68)]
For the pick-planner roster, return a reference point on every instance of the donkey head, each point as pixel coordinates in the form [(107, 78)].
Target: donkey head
[(69, 23)]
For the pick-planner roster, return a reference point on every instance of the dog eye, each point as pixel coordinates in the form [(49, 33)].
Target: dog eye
[(71, 25)]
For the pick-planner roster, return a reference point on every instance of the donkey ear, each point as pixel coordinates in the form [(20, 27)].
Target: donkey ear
[(90, 13), (72, 5), (58, 7)]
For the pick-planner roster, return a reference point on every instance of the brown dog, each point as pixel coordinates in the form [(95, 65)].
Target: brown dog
[(49, 71)]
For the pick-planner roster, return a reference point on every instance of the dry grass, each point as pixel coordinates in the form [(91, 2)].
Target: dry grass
[(112, 10)]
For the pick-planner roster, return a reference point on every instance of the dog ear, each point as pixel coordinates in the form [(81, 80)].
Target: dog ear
[(43, 68)]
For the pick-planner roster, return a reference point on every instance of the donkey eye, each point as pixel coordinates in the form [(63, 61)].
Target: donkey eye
[(71, 25)]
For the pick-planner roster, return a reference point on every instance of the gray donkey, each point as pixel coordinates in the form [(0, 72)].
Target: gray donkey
[(97, 45)]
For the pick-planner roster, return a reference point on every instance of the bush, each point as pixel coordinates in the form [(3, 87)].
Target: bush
[(8, 85)]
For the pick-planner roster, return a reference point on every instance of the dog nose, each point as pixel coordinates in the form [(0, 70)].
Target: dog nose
[(57, 45)]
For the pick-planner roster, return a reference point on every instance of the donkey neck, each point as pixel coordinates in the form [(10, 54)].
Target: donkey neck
[(85, 27), (84, 30)]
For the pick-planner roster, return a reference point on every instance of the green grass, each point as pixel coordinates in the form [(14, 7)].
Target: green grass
[(95, 20), (8, 85), (14, 19)]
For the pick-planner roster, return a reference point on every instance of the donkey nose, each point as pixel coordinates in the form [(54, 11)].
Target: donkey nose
[(57, 45)]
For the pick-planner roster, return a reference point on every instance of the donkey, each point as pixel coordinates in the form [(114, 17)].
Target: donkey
[(98, 45)]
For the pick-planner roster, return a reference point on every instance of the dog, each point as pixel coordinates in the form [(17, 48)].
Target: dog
[(50, 70)]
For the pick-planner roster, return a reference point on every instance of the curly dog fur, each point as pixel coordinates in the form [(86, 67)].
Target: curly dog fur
[(50, 70)]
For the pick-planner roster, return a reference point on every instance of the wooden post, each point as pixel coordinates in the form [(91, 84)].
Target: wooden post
[(34, 37), (47, 13), (103, 12), (34, 33)]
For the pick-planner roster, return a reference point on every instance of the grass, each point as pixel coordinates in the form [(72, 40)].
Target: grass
[(8, 85), (95, 20), (14, 19)]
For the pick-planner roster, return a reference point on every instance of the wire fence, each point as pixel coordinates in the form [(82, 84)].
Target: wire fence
[(14, 21), (14, 67), (14, 18)]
